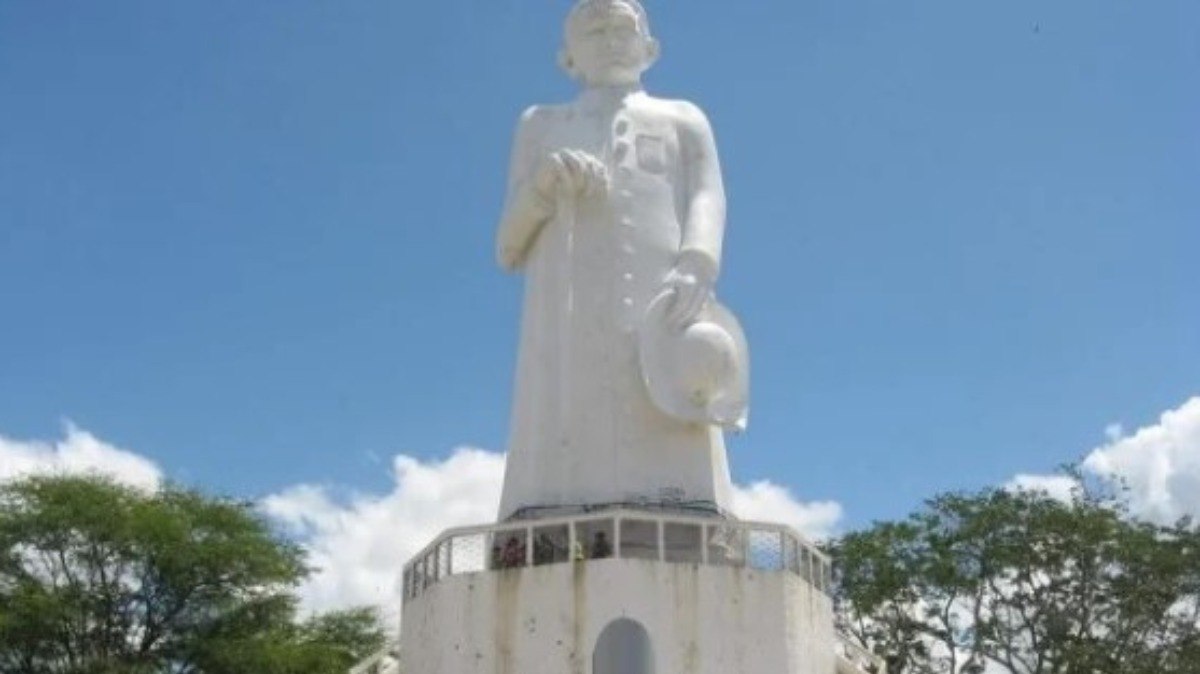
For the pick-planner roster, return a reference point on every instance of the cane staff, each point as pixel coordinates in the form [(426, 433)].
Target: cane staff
[(565, 206)]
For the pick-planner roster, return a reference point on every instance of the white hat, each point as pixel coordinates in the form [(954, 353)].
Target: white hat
[(700, 373)]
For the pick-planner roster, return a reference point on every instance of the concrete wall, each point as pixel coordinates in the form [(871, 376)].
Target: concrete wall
[(546, 620)]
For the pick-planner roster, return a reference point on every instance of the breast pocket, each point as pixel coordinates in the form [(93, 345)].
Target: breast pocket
[(652, 153)]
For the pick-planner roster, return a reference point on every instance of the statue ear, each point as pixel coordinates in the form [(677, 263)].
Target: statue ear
[(653, 51), (566, 62)]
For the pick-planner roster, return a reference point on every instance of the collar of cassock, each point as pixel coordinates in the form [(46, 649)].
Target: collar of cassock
[(597, 101)]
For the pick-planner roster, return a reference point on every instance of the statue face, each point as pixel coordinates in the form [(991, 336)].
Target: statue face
[(608, 47)]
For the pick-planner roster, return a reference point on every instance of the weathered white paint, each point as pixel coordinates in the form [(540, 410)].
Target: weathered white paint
[(616, 199), (616, 206), (547, 620)]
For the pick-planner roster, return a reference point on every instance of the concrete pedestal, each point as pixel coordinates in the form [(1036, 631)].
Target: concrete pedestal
[(549, 620)]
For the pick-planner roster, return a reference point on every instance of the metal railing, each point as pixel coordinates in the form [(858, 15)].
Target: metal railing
[(621, 534)]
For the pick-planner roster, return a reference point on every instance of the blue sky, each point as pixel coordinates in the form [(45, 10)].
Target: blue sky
[(253, 241)]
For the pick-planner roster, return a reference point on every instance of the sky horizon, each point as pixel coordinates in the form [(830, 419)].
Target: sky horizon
[(249, 247)]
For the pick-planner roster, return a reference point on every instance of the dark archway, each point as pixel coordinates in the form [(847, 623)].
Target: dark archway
[(623, 648)]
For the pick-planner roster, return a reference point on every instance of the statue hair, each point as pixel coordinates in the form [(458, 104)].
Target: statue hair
[(579, 11)]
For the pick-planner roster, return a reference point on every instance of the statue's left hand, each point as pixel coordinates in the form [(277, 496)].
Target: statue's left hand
[(692, 279)]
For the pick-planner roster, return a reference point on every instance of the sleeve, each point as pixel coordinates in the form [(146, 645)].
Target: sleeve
[(525, 211), (704, 228)]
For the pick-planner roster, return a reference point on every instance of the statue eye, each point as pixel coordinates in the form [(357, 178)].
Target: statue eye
[(625, 24)]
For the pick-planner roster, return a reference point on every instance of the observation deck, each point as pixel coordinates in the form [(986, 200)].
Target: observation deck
[(617, 534), (684, 592)]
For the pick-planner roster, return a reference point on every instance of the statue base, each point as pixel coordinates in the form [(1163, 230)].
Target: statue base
[(673, 596)]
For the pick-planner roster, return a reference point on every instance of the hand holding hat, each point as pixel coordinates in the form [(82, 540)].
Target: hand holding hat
[(692, 281), (696, 367)]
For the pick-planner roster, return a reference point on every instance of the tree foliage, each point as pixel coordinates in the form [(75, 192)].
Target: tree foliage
[(1024, 583), (101, 578)]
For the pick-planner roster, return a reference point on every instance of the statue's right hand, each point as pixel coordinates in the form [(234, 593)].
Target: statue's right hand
[(570, 173)]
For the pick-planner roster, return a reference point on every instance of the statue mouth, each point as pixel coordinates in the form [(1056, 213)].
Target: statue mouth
[(620, 57)]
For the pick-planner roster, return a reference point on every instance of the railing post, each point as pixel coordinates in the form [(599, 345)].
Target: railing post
[(617, 538), (662, 540), (704, 543)]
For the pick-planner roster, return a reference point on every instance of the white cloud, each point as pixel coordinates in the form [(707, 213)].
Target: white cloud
[(1114, 432), (768, 502), (78, 452), (359, 544), (1159, 463), (1060, 487)]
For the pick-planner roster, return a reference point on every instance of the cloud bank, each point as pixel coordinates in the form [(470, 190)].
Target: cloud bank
[(359, 544), (358, 541), (78, 452), (1158, 464), (1059, 487)]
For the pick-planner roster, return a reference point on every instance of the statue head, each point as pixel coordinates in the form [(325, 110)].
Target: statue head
[(608, 43)]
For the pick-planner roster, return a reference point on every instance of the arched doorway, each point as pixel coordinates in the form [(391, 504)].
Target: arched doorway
[(623, 648)]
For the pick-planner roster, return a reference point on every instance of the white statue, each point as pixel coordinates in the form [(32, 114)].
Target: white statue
[(628, 368)]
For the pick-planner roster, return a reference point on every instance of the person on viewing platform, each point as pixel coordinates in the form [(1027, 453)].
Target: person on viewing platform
[(543, 550), (601, 548), (514, 554)]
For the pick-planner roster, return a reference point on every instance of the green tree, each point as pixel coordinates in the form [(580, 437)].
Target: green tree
[(1024, 583), (100, 578)]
